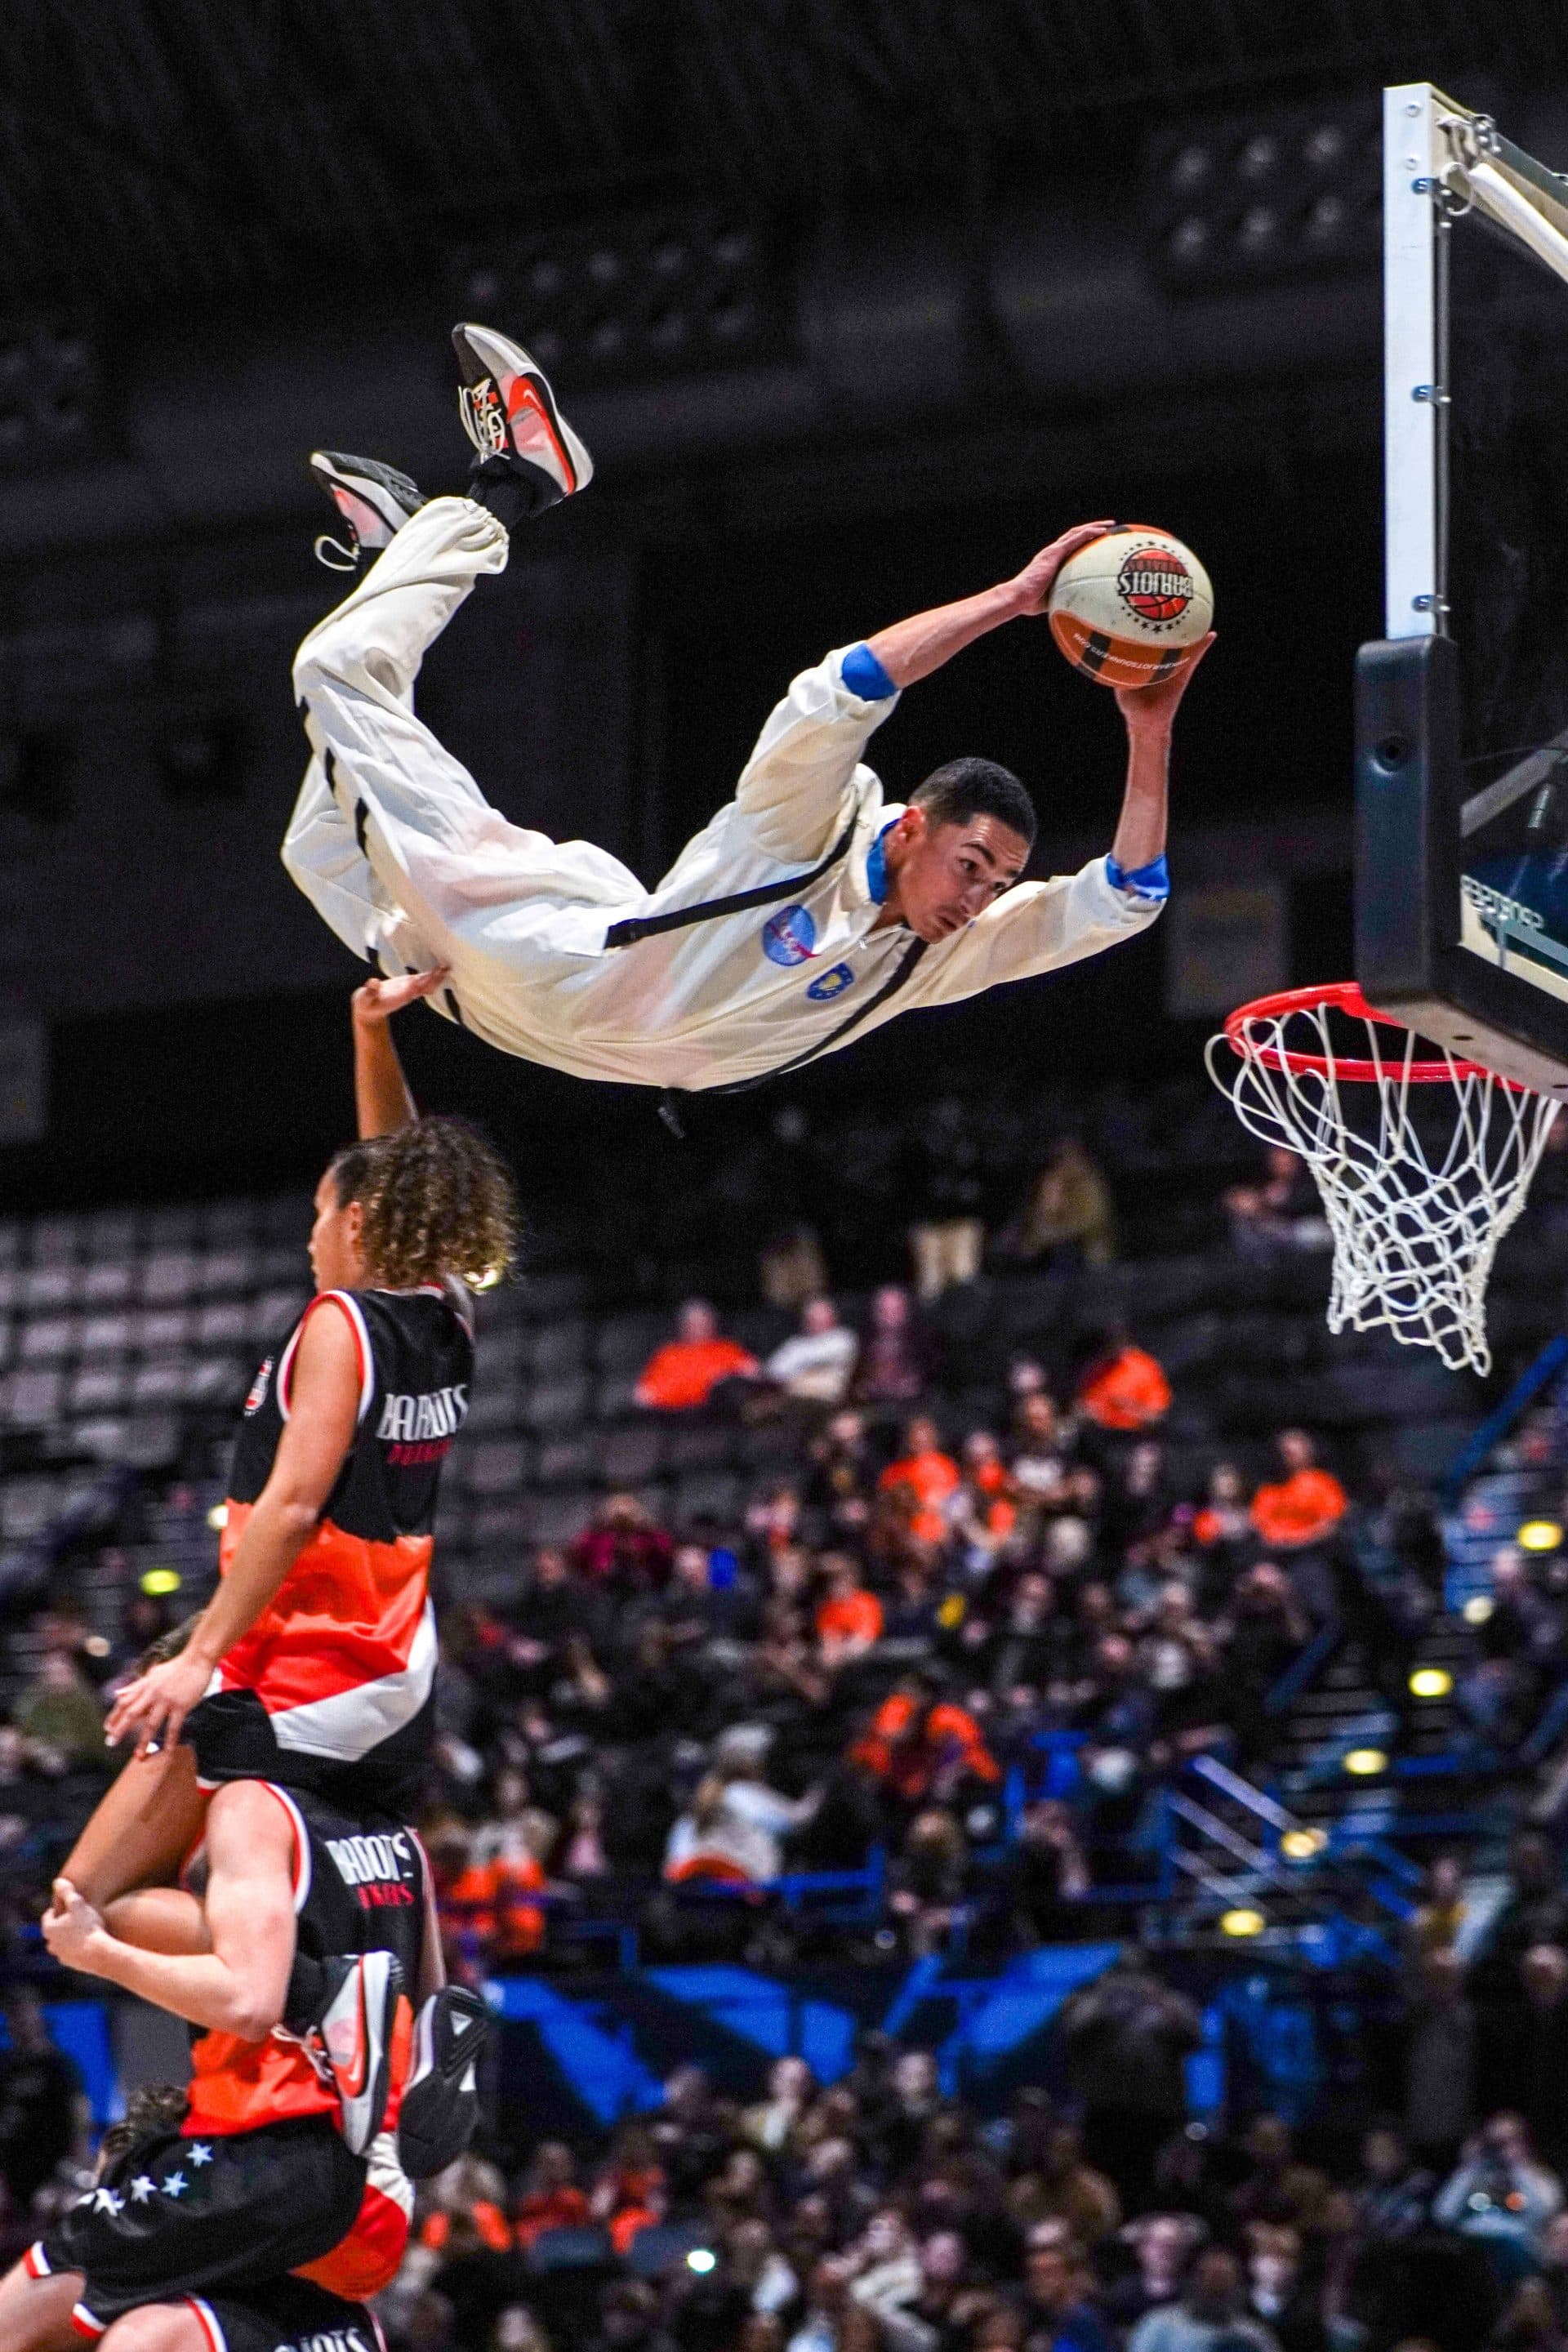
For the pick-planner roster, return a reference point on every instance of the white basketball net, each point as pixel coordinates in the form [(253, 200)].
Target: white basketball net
[(1415, 1216)]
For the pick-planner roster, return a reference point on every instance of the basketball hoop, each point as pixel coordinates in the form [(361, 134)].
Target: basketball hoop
[(1423, 1162)]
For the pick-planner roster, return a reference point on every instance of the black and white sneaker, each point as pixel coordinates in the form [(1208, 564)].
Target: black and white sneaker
[(440, 2100), (375, 502), (508, 412)]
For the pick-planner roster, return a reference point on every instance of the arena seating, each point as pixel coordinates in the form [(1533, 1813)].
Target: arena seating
[(128, 1339)]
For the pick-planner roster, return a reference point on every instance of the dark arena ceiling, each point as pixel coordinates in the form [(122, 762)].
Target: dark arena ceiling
[(159, 151)]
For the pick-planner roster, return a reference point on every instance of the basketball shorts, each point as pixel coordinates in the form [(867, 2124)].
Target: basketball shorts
[(234, 1740), (289, 2316), (178, 2219)]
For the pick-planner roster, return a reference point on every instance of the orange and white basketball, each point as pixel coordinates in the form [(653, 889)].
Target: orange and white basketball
[(1128, 609)]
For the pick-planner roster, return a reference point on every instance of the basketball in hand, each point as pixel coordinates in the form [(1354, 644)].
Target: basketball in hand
[(1129, 608)]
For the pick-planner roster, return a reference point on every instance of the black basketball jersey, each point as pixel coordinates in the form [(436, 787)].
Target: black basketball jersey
[(359, 1887), (415, 1350), (345, 1657)]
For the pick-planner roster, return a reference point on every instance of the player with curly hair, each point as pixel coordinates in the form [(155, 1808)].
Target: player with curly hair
[(318, 1650), (313, 1663)]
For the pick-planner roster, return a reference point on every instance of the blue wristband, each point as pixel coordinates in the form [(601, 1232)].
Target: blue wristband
[(1151, 881), (863, 674)]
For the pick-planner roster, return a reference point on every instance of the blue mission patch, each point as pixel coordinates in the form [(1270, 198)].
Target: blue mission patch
[(831, 983), (790, 936)]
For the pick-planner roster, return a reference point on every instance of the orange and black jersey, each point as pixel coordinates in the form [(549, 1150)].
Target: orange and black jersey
[(359, 1885), (344, 1658), (259, 2179)]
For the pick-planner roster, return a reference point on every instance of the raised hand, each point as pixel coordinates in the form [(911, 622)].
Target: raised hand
[(377, 1000), (1149, 710), (1037, 578)]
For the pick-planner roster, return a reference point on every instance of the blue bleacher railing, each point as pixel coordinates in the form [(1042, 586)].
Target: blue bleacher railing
[(1552, 1358)]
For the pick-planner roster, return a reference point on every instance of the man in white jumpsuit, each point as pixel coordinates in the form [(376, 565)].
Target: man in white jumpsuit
[(810, 912)]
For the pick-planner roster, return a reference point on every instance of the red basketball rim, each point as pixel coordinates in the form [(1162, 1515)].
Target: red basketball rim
[(1343, 996)]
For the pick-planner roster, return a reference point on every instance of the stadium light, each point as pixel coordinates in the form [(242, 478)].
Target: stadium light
[(1366, 1762), (639, 294), (217, 1517), (701, 2259), (1431, 1682), (1287, 192), (1242, 1921), (1539, 1534), (1300, 1845), (50, 392), (1478, 1609)]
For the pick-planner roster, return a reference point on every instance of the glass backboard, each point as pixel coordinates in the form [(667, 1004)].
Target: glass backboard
[(1462, 708)]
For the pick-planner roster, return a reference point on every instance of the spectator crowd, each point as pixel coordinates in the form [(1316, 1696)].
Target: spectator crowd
[(958, 1652), (882, 2213)]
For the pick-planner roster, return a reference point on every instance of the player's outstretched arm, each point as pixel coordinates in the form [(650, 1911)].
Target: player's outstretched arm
[(238, 1987), (382, 1098), (1149, 713), (910, 650)]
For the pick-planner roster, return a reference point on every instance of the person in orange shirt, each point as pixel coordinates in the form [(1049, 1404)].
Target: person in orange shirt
[(484, 1906), (848, 1618), (552, 2198), (915, 1738), (985, 1511), (684, 1373), (466, 2229), (929, 1474), (630, 2193), (1305, 1505), (1124, 1388)]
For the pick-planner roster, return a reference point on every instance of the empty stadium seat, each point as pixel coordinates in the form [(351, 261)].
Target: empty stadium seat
[(226, 1323), (556, 1403), (564, 1461), (31, 1400), (46, 1340), (715, 1495), (492, 1405), (49, 1286), (615, 1396), (495, 1466), (560, 1348), (627, 1341), (98, 1387), (699, 1445), (626, 1457), (558, 1518), (108, 1283)]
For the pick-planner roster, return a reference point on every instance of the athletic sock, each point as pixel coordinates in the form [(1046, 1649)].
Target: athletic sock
[(512, 489)]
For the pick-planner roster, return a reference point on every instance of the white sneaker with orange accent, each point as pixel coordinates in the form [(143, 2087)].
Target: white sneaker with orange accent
[(508, 410), (352, 2041)]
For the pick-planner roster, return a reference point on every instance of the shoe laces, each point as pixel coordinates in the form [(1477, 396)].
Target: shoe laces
[(335, 555)]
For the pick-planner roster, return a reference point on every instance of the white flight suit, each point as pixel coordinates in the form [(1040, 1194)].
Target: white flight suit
[(395, 845)]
